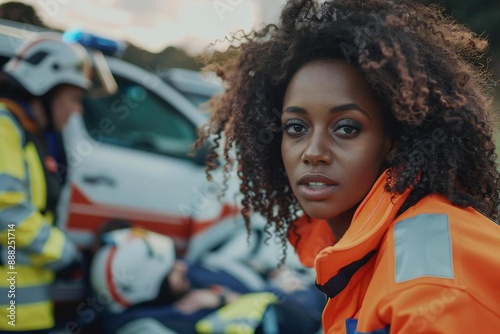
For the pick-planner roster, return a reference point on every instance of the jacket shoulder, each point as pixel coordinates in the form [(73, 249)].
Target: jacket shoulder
[(9, 124), (438, 244)]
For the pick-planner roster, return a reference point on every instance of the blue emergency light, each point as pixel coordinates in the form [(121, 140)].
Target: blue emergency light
[(106, 46)]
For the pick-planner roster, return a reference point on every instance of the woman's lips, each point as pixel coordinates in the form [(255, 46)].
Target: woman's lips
[(316, 187), (315, 192)]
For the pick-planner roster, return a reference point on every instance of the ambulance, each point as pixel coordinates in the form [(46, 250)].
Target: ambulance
[(128, 159)]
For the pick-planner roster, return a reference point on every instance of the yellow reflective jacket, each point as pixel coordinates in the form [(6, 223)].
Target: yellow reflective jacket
[(31, 248)]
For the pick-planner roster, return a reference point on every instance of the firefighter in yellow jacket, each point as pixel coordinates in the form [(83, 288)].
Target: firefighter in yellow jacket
[(41, 87)]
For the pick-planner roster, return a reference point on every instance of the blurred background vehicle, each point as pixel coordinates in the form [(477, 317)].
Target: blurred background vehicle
[(195, 86), (127, 159)]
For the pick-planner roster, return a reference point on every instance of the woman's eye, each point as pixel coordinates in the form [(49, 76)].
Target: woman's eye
[(294, 128), (347, 128)]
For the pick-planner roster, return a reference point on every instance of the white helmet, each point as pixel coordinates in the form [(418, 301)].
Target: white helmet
[(131, 267), (46, 61)]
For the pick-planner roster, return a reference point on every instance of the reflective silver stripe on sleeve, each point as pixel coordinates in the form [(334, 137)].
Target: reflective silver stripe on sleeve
[(423, 247), (15, 214), (36, 246), (69, 253), (24, 294), (10, 183), (21, 257)]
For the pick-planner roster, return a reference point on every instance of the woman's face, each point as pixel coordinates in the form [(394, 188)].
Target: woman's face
[(334, 139)]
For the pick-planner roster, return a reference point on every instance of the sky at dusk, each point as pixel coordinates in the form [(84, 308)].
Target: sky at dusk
[(156, 24)]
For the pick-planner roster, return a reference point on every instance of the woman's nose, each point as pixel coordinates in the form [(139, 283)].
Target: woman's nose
[(317, 150)]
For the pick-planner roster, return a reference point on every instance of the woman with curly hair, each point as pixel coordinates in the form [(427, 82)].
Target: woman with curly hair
[(363, 133)]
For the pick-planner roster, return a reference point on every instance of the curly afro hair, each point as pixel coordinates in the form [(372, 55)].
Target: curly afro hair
[(426, 68)]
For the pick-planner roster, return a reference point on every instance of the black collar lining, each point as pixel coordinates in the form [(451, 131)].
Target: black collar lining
[(337, 283)]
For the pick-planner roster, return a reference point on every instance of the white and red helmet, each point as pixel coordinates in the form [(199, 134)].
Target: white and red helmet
[(46, 61), (131, 266)]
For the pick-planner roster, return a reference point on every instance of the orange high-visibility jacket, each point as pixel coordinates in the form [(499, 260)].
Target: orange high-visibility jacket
[(433, 269)]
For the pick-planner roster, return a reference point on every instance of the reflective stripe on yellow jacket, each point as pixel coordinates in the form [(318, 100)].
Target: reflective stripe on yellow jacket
[(40, 248)]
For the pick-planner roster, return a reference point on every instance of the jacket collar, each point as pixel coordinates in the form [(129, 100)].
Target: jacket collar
[(368, 227), (316, 246)]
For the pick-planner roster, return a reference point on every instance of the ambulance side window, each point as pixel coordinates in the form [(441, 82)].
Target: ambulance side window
[(139, 119)]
